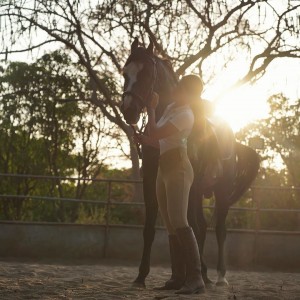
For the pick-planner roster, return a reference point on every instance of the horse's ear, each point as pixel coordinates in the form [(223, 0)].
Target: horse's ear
[(150, 47), (134, 44)]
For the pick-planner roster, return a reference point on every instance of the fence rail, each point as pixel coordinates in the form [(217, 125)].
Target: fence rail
[(109, 201)]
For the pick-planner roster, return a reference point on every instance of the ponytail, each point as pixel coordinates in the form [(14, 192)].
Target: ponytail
[(201, 110), (199, 116), (198, 129)]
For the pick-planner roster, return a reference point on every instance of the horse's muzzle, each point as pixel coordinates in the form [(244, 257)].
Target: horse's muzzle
[(130, 112)]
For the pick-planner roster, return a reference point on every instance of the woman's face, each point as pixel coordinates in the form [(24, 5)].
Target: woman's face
[(179, 94)]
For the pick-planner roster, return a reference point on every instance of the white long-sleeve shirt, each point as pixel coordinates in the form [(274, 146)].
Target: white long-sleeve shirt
[(182, 118)]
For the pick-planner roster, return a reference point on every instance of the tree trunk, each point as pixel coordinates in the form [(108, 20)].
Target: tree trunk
[(135, 173)]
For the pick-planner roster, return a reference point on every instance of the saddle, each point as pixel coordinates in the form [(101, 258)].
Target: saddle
[(213, 145), (222, 137)]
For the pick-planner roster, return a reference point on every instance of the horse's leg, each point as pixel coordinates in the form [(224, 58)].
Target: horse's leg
[(151, 209), (202, 224), (148, 235), (198, 223), (222, 191), (221, 237)]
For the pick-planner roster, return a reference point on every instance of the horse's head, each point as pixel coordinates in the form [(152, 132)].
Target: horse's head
[(140, 75)]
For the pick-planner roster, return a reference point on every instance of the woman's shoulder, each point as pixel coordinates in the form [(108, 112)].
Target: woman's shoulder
[(179, 108), (184, 113), (170, 106), (184, 109)]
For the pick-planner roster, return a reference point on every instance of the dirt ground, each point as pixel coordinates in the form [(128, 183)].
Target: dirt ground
[(112, 280)]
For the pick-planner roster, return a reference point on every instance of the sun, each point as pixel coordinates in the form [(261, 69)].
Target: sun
[(242, 106)]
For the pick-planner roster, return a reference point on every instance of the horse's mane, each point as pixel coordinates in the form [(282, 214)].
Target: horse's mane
[(141, 54), (169, 65)]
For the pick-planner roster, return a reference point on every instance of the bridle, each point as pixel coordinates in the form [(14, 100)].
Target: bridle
[(136, 95), (142, 103)]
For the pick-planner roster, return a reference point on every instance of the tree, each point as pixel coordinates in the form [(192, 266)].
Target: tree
[(40, 135), (281, 134), (195, 35)]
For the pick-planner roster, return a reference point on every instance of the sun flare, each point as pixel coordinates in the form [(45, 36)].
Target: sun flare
[(242, 106)]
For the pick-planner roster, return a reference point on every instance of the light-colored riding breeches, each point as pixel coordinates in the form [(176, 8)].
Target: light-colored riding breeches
[(173, 183)]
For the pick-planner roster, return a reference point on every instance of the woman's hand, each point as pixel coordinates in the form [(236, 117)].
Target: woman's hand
[(145, 140), (154, 102), (140, 138)]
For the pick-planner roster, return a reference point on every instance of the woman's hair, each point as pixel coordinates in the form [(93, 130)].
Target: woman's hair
[(192, 84)]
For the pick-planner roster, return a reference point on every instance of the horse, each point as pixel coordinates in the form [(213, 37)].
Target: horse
[(224, 168)]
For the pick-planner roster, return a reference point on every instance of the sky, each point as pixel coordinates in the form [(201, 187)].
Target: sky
[(249, 102), (242, 105), (239, 107)]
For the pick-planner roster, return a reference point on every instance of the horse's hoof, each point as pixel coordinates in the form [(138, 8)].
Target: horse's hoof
[(208, 283), (222, 282), (139, 284)]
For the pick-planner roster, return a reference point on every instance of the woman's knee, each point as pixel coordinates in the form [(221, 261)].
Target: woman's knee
[(177, 212), (178, 221)]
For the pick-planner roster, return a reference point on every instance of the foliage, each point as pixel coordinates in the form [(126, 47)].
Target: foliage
[(281, 134), (41, 133), (194, 35)]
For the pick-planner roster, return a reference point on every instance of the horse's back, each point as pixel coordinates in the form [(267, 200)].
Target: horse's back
[(224, 137), (213, 156)]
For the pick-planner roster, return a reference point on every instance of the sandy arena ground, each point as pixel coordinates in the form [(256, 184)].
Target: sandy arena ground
[(112, 280)]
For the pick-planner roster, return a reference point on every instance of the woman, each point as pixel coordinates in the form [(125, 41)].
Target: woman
[(174, 179)]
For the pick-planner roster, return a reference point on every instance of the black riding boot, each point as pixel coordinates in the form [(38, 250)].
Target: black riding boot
[(177, 264), (194, 283)]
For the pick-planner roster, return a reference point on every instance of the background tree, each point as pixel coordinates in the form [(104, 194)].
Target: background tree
[(40, 135), (281, 134), (195, 35), (281, 167)]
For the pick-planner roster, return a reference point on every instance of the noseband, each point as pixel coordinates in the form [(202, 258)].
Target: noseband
[(137, 96)]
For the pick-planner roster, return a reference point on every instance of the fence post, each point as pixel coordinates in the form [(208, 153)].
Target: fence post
[(256, 200), (107, 219), (257, 219)]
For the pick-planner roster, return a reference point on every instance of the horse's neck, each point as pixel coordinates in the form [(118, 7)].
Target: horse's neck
[(164, 101), (165, 83)]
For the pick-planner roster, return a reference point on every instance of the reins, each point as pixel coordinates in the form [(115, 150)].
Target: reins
[(137, 131)]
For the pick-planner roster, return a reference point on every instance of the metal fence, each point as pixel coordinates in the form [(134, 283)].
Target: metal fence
[(109, 202)]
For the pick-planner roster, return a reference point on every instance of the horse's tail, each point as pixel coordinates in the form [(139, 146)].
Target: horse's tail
[(247, 168)]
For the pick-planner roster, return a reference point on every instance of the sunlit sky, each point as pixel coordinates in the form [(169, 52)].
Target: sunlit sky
[(248, 103), (242, 105)]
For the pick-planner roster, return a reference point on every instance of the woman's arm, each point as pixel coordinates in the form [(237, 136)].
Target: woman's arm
[(146, 140)]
